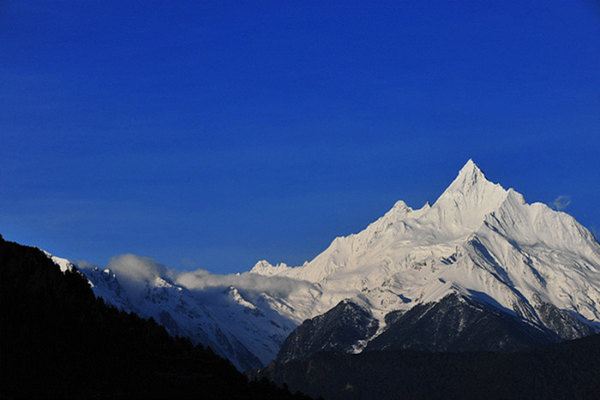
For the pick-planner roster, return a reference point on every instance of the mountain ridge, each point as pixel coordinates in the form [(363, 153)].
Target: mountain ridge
[(477, 240)]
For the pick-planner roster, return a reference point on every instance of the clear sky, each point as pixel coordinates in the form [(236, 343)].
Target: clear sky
[(215, 134)]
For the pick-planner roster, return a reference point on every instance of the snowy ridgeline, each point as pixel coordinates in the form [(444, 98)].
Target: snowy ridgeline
[(478, 241)]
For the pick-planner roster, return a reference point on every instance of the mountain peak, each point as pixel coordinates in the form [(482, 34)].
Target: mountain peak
[(469, 178), (470, 168), (468, 199), (401, 205), (471, 174)]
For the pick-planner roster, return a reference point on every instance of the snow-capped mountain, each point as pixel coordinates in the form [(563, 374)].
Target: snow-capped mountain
[(478, 241), (245, 326), (479, 247), (243, 317)]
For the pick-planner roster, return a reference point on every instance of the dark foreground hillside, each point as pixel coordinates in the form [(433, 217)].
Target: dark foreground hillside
[(58, 341), (570, 370)]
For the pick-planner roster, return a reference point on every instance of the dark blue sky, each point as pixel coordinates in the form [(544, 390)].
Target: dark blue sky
[(215, 134)]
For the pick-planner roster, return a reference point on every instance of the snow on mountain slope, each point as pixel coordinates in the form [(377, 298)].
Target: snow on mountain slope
[(239, 323), (478, 239), (242, 317), (63, 263)]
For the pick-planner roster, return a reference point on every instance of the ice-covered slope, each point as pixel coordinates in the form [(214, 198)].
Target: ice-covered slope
[(479, 240)]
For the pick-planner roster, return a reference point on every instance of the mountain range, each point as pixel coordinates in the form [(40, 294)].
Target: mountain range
[(478, 270), (59, 341)]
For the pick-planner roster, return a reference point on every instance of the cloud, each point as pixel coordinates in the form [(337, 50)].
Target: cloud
[(561, 202), (134, 272), (130, 266), (248, 282)]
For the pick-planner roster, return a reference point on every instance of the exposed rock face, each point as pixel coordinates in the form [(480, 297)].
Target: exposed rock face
[(454, 324), (342, 328), (458, 323), (566, 325)]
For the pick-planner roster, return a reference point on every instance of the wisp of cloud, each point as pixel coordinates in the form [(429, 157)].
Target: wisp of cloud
[(561, 202)]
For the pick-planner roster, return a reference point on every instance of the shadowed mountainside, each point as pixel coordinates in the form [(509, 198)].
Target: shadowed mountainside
[(567, 370)]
